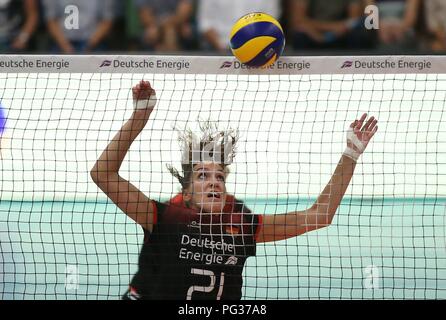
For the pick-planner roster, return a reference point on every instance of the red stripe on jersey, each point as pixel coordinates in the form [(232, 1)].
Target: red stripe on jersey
[(155, 213), (259, 227)]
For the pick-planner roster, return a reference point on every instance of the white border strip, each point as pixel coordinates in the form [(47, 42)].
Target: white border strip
[(220, 65)]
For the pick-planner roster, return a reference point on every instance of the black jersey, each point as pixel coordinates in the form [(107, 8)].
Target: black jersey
[(190, 255)]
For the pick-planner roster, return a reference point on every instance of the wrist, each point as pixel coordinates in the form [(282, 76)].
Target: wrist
[(145, 103), (351, 153)]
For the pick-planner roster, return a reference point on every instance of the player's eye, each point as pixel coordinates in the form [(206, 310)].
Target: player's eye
[(202, 175), (221, 178)]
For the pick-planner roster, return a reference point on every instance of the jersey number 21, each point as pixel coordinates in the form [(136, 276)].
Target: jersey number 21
[(211, 275)]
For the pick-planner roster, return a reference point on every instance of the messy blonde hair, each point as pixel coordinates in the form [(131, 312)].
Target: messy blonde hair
[(193, 148)]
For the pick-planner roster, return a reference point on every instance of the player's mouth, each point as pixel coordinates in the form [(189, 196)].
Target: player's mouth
[(214, 195)]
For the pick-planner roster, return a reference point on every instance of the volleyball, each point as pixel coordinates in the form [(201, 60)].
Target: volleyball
[(257, 39)]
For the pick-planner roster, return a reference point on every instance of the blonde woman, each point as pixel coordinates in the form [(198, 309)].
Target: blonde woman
[(196, 248)]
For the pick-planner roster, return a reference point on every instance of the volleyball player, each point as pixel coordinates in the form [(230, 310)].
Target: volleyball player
[(196, 246)]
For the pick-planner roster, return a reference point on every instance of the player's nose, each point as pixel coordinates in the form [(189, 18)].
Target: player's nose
[(215, 184)]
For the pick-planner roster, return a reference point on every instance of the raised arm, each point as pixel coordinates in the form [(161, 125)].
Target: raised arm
[(105, 171), (321, 213)]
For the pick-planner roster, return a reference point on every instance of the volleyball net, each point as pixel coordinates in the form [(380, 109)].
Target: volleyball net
[(60, 238)]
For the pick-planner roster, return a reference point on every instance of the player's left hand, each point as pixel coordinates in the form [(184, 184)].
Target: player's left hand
[(359, 136)]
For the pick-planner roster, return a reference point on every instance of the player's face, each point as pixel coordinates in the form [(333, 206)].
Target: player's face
[(208, 190)]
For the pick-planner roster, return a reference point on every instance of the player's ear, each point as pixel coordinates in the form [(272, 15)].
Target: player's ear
[(187, 194), (187, 197)]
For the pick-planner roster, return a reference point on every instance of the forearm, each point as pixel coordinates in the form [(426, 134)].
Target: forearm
[(321, 213), (31, 18), (291, 224), (111, 158), (213, 39), (56, 32), (328, 201), (147, 17), (411, 14), (184, 12), (101, 31)]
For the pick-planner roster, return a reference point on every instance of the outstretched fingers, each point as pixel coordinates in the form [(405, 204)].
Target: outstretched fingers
[(357, 124), (365, 131), (370, 128), (361, 121), (368, 124), (373, 130)]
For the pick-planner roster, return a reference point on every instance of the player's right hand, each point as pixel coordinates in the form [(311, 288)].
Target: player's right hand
[(144, 96)]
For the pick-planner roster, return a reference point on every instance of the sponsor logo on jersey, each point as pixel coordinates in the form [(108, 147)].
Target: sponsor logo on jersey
[(133, 295), (193, 224), (232, 260)]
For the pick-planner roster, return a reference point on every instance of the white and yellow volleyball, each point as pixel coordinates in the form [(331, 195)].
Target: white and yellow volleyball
[(257, 40)]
